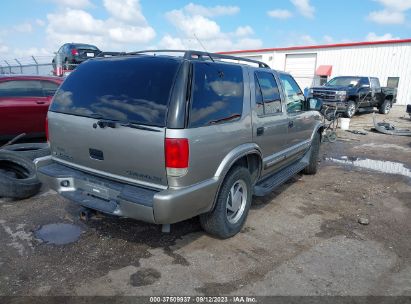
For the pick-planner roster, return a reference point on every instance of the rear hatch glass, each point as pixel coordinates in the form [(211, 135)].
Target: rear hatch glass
[(128, 89), (132, 92)]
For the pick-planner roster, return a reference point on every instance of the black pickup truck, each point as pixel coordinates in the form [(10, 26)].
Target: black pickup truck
[(349, 93)]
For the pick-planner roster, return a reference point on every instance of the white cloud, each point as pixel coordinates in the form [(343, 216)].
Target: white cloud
[(280, 14), (196, 29), (397, 5), (3, 48), (374, 37), (328, 39), (387, 17), (72, 3), (307, 39), (128, 11), (131, 34), (242, 31), (392, 13), (304, 8), (40, 22), (219, 10), (23, 28), (191, 25), (125, 29)]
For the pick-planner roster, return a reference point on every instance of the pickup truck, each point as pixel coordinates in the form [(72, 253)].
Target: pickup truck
[(349, 93)]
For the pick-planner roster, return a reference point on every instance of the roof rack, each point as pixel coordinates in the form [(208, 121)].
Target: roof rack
[(110, 54), (190, 54)]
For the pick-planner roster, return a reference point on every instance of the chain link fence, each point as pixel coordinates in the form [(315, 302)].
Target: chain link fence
[(33, 65)]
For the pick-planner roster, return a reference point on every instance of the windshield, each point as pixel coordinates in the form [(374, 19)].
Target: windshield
[(343, 82), (85, 47), (126, 89)]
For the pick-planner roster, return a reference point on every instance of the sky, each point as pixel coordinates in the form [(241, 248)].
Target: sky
[(40, 27)]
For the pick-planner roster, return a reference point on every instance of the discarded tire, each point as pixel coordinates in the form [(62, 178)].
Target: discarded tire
[(29, 150), (17, 176)]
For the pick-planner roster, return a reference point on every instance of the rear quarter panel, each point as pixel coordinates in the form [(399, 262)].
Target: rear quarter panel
[(209, 145)]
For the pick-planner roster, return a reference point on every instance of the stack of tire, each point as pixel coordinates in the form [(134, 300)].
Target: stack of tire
[(18, 178)]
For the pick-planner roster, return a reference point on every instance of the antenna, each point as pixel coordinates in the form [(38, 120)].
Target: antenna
[(199, 41)]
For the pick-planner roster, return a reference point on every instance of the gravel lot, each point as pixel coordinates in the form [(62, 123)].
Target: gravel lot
[(303, 239)]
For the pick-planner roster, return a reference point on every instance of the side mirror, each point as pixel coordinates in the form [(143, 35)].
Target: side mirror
[(314, 104)]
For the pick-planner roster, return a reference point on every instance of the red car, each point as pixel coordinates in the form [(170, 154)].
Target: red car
[(24, 101)]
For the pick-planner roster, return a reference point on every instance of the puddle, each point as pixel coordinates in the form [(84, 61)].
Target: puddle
[(372, 164), (58, 234)]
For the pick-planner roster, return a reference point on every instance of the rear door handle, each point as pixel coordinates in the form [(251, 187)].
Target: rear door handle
[(291, 124), (260, 131), (40, 102)]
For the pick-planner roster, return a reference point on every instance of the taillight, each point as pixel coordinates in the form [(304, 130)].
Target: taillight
[(177, 156), (74, 52), (46, 127)]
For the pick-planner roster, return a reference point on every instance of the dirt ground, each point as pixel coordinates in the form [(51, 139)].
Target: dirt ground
[(303, 239)]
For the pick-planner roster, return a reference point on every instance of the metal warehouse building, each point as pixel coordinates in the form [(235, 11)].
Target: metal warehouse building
[(390, 61)]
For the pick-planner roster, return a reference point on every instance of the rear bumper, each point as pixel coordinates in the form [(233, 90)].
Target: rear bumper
[(113, 197)]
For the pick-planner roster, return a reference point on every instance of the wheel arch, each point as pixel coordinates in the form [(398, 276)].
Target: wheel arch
[(248, 156)]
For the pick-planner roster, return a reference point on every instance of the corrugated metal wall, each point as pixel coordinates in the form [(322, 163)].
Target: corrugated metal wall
[(382, 61)]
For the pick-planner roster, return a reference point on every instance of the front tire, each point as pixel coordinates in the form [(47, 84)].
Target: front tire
[(314, 155), (351, 109), (385, 108), (232, 205)]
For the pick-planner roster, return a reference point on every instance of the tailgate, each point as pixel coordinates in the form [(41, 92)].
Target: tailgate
[(122, 153), (132, 94)]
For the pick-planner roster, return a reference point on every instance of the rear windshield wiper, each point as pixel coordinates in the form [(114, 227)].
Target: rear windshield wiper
[(137, 126), (114, 123)]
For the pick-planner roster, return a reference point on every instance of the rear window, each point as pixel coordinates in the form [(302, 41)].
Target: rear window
[(126, 89), (21, 88), (218, 92)]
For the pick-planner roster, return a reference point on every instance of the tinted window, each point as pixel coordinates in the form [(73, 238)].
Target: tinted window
[(119, 88), (375, 83), (21, 88), (270, 93), (392, 82), (293, 94), (49, 88), (364, 81), (218, 92), (259, 103), (343, 82)]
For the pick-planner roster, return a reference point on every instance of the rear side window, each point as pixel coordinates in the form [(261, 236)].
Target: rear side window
[(125, 89), (217, 94), (49, 87), (21, 88), (267, 93)]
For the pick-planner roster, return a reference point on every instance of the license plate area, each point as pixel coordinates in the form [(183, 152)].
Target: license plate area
[(97, 191), (90, 54)]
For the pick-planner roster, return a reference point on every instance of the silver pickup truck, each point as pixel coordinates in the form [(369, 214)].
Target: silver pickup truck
[(165, 137)]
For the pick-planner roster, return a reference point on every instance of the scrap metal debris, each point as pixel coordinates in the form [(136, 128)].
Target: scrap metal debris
[(359, 132), (389, 128)]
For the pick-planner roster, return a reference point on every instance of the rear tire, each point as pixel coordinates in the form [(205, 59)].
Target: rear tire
[(385, 107), (29, 150), (17, 177), (351, 109), (314, 155), (232, 205)]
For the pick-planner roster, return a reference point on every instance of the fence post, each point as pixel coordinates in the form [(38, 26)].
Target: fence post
[(8, 66), (21, 67), (37, 65)]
